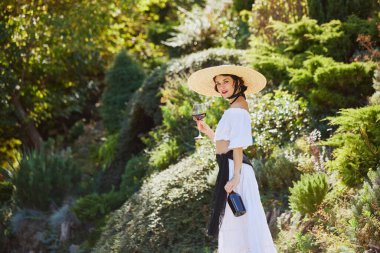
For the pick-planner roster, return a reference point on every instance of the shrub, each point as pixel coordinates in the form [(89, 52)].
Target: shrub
[(277, 118), (294, 235), (330, 85), (366, 213), (356, 143), (134, 173), (270, 61), (375, 98), (325, 11), (307, 193), (45, 178), (334, 39), (277, 173), (6, 191), (215, 25), (123, 78), (173, 200), (107, 150), (264, 11), (95, 206)]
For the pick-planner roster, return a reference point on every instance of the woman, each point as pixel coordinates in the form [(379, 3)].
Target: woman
[(248, 233)]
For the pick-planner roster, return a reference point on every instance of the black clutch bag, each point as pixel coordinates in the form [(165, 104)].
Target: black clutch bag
[(236, 204)]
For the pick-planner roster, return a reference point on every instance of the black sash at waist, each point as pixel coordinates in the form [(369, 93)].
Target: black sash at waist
[(220, 194), (229, 155)]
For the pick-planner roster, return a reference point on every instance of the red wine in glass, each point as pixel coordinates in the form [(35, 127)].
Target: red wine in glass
[(199, 112), (199, 116)]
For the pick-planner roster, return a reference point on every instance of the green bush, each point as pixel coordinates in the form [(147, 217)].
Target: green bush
[(276, 173), (214, 25), (308, 193), (270, 61), (169, 213), (123, 78), (134, 172), (45, 178), (95, 206), (306, 37), (107, 150), (325, 11), (277, 118), (375, 98), (356, 143), (295, 236), (164, 154), (330, 85), (366, 212), (6, 191)]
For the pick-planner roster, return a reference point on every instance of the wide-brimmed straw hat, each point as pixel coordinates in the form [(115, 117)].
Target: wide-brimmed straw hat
[(202, 81)]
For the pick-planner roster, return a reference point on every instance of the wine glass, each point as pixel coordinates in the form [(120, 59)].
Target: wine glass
[(199, 112)]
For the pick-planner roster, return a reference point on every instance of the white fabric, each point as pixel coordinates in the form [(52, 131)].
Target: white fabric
[(250, 232), (235, 126)]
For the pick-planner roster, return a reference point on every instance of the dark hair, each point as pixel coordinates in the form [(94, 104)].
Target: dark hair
[(239, 82)]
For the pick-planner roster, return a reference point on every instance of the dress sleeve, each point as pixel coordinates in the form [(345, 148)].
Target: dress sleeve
[(240, 134)]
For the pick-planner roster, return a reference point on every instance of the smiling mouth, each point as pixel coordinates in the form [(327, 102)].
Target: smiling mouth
[(224, 92)]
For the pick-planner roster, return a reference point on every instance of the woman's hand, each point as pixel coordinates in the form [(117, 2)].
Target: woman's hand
[(202, 126), (231, 185)]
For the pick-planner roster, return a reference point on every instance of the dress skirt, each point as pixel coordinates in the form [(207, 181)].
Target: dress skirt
[(250, 232)]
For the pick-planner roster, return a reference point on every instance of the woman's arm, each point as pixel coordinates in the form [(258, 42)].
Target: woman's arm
[(238, 161)]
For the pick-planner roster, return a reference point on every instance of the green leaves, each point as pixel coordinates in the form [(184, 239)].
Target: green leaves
[(356, 142), (45, 178), (308, 193), (277, 118)]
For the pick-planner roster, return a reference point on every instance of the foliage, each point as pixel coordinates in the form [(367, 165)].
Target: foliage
[(95, 206), (6, 191), (205, 27), (49, 175), (331, 85), (264, 11), (375, 98), (308, 193), (277, 118), (294, 236), (48, 78), (8, 151), (312, 156), (276, 173), (270, 61), (356, 142), (307, 37), (175, 199), (123, 78), (134, 172), (356, 28), (366, 213), (324, 11), (107, 150)]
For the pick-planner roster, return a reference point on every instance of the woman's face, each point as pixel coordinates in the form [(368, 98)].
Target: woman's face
[(224, 85)]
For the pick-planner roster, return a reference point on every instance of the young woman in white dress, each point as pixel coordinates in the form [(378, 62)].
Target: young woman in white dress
[(250, 232)]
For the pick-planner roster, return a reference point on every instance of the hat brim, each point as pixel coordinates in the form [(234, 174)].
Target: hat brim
[(202, 81)]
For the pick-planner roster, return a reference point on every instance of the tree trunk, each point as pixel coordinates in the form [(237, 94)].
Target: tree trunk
[(26, 122)]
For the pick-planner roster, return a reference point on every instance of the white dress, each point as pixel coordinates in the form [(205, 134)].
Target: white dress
[(250, 232)]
